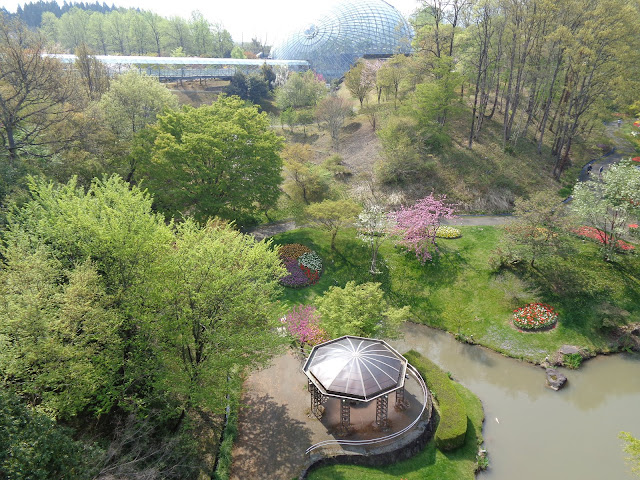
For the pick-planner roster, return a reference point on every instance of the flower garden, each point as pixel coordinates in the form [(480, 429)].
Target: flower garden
[(304, 266), (599, 236), (534, 316)]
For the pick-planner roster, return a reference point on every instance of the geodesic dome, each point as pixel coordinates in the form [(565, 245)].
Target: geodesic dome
[(349, 30)]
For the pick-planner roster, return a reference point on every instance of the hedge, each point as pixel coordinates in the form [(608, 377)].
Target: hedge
[(452, 428)]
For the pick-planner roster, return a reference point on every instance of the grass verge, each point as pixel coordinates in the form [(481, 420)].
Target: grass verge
[(452, 427)]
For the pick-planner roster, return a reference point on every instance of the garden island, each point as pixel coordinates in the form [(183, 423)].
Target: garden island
[(344, 255)]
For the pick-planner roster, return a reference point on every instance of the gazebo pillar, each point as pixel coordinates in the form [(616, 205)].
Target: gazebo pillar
[(316, 399), (401, 402), (345, 415), (382, 411)]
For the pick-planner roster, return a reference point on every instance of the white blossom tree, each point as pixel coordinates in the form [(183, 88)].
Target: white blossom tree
[(373, 227), (609, 204)]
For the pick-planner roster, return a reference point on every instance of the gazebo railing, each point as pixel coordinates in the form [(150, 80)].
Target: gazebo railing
[(427, 405)]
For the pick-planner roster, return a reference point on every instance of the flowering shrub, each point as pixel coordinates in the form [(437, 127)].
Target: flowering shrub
[(534, 316), (310, 260), (598, 235), (303, 324), (445, 231), (304, 268), (292, 250)]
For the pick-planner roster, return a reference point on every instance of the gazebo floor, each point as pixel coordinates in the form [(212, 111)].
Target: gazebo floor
[(276, 426)]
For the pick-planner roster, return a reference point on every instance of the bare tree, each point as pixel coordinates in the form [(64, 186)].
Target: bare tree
[(36, 92), (332, 112)]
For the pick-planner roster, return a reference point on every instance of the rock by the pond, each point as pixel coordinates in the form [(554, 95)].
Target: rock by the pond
[(568, 349), (555, 379)]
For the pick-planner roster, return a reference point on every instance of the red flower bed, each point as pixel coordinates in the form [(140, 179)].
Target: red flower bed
[(534, 316), (636, 159), (599, 235)]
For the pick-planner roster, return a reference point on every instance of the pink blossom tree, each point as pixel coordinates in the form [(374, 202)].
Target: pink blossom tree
[(303, 324), (416, 226)]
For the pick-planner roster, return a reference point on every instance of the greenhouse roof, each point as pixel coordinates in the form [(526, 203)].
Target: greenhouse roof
[(145, 60)]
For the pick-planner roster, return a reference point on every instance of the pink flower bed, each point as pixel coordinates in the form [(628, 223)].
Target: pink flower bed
[(599, 235), (534, 316)]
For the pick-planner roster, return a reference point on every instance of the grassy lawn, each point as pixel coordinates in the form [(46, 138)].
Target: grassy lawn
[(431, 463), (459, 292)]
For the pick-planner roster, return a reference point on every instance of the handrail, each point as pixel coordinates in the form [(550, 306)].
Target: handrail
[(425, 404)]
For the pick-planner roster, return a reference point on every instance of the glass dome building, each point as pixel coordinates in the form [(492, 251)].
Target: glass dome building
[(349, 30)]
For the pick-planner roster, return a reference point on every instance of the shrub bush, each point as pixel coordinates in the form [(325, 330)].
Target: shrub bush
[(445, 231), (452, 428), (572, 360)]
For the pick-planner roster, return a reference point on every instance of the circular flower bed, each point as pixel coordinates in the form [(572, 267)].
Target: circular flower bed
[(445, 231), (534, 316), (303, 264)]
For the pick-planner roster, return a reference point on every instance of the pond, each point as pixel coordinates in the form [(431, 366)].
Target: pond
[(532, 432)]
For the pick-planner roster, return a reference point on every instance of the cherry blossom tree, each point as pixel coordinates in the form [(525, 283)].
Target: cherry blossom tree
[(416, 226), (303, 324)]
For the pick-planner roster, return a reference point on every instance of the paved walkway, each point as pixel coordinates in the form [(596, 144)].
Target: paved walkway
[(621, 149)]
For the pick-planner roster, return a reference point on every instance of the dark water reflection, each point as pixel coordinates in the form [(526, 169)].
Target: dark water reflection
[(532, 432)]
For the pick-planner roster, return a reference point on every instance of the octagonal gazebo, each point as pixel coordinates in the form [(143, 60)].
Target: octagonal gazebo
[(355, 369)]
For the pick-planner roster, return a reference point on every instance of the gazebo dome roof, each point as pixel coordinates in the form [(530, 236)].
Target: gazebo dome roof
[(356, 368)]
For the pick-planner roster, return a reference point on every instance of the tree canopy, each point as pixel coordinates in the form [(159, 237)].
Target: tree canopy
[(216, 160), (359, 310)]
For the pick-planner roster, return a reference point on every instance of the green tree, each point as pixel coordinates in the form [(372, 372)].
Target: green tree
[(360, 310), (534, 234), (434, 100), (201, 34), (608, 203), (133, 101), (217, 311), (358, 83), (33, 447), (237, 52), (632, 448), (61, 309), (60, 347), (217, 160), (390, 75), (300, 90), (238, 86), (332, 215), (304, 180)]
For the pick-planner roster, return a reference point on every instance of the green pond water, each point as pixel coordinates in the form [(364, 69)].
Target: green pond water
[(532, 432)]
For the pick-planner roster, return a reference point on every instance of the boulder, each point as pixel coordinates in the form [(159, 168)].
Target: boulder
[(568, 349), (555, 380)]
